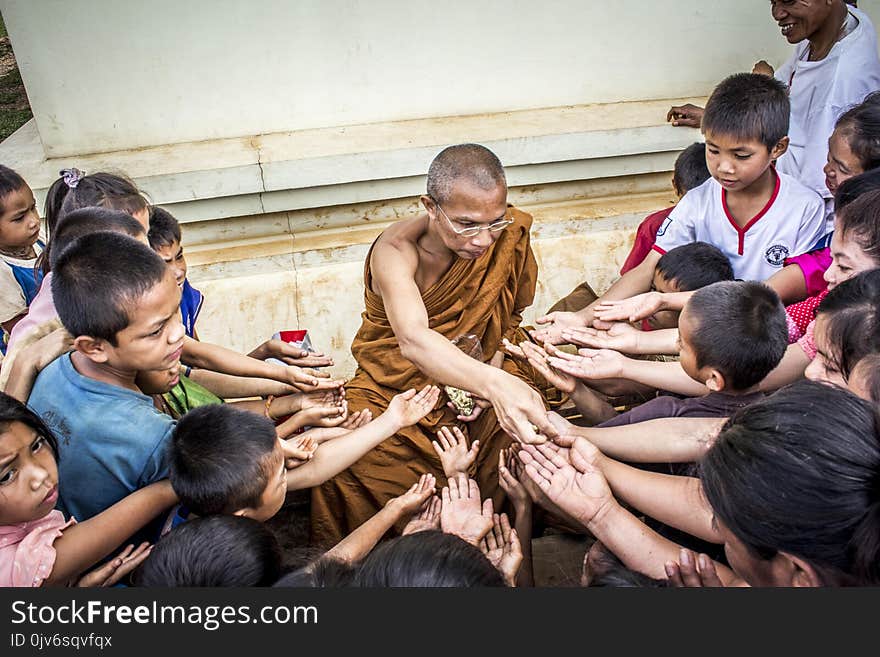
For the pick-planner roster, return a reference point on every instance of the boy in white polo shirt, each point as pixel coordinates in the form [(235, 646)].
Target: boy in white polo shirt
[(756, 216)]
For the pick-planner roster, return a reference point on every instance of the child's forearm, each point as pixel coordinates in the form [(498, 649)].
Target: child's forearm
[(228, 386), (590, 405), (221, 359), (633, 282), (21, 379), (334, 456), (662, 341), (358, 543), (664, 376), (638, 546), (673, 500), (82, 545), (791, 368), (664, 440), (523, 526)]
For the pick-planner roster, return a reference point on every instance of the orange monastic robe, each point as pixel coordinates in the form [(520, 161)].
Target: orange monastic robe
[(484, 297)]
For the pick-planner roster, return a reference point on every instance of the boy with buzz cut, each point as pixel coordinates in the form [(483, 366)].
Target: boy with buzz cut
[(120, 303), (755, 215), (731, 335), (165, 236)]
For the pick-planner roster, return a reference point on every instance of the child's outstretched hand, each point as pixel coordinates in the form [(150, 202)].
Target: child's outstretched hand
[(324, 416), (556, 322), (578, 488), (451, 446), (692, 571), (309, 380), (412, 500), (502, 548), (427, 518), (409, 407), (290, 354), (620, 336), (298, 450), (114, 570), (510, 476), (590, 363), (538, 359), (461, 513), (357, 419), (641, 306)]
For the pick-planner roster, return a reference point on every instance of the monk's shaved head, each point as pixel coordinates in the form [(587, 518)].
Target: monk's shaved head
[(470, 162)]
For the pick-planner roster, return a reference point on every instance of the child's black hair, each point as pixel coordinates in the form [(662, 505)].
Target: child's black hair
[(798, 473), (91, 220), (75, 190), (608, 571), (164, 229), (852, 320), (868, 369), (860, 221), (426, 559), (860, 126), (748, 106), (854, 187), (739, 329), (218, 458), (692, 266), (690, 168), (322, 573), (10, 181), (12, 410), (99, 279), (213, 551)]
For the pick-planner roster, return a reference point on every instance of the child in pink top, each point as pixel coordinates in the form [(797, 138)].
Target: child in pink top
[(37, 544)]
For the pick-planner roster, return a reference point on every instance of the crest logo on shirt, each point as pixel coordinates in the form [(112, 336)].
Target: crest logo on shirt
[(776, 254), (662, 230)]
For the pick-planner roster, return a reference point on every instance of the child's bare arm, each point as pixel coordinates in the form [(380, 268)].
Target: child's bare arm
[(789, 283), (228, 386), (633, 282), (28, 362), (625, 338), (664, 440), (641, 306), (336, 455), (220, 359), (791, 368), (82, 545), (673, 500), (358, 544)]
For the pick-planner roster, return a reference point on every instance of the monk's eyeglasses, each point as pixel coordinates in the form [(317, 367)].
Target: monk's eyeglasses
[(473, 231)]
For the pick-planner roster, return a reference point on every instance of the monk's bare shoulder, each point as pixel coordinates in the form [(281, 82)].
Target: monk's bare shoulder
[(395, 252)]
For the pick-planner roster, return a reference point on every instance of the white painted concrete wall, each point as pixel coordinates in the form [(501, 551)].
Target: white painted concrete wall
[(107, 75)]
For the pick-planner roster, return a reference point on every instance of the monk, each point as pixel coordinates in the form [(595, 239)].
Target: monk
[(465, 266)]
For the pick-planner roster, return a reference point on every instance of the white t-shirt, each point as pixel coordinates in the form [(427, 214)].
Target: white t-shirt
[(12, 301), (820, 92), (789, 225)]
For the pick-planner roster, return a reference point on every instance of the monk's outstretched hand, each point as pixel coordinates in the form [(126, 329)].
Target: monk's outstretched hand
[(520, 410)]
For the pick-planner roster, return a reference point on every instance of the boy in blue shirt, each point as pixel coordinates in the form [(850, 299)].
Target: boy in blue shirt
[(120, 302)]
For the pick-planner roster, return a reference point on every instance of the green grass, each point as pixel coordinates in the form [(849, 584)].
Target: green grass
[(12, 96)]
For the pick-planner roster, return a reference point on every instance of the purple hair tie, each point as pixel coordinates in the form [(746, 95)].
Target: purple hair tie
[(71, 177)]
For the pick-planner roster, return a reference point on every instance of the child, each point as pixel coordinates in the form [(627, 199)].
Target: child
[(731, 335), (864, 380), (225, 460), (19, 248), (755, 215), (213, 551), (689, 172), (37, 545), (164, 236), (120, 303), (75, 190)]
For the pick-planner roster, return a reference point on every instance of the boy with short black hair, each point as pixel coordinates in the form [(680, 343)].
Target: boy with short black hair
[(120, 303), (227, 460), (165, 239), (755, 215), (732, 334)]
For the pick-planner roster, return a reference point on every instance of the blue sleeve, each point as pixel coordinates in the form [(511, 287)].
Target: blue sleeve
[(156, 466)]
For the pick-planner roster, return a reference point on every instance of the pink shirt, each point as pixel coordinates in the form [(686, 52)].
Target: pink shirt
[(41, 310), (813, 265), (27, 554)]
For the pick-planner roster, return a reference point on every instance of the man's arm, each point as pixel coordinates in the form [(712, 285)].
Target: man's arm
[(517, 405)]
